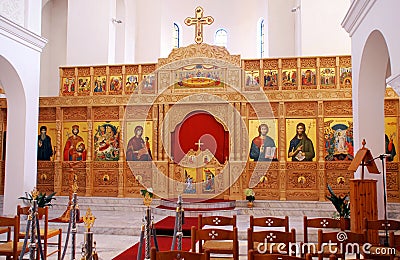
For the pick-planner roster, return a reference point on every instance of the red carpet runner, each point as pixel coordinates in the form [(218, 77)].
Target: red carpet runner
[(164, 231)]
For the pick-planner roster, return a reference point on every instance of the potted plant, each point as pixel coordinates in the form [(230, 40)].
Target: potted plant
[(42, 199), (341, 203), (250, 197)]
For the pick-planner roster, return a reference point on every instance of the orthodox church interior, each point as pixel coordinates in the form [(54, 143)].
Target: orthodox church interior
[(144, 110)]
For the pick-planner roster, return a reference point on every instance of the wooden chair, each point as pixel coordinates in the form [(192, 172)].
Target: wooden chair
[(269, 222), (253, 255), (394, 246), (216, 221), (329, 224), (45, 232), (177, 254), (12, 248), (375, 234), (324, 223), (274, 240), (219, 241), (335, 241)]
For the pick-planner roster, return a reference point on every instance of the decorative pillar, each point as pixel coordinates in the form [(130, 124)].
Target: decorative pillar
[(160, 119), (164, 152), (121, 161), (57, 155), (156, 137), (320, 153), (89, 162), (282, 151)]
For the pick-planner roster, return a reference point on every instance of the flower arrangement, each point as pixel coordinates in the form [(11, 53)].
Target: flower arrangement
[(250, 195), (147, 196), (42, 199), (341, 203)]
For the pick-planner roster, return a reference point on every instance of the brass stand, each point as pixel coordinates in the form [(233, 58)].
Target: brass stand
[(89, 246), (179, 220), (147, 229), (65, 217)]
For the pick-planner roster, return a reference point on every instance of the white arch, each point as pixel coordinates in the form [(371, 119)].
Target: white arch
[(19, 73), (368, 101)]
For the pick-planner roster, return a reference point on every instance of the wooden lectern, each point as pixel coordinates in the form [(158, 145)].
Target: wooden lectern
[(363, 199)]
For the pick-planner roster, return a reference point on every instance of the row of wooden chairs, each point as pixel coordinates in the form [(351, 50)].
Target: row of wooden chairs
[(252, 255), (15, 236), (328, 229)]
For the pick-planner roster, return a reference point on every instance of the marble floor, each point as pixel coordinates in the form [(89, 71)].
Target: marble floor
[(118, 220)]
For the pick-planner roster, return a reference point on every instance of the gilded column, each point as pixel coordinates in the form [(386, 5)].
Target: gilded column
[(160, 120), (245, 127), (320, 153), (155, 136), (165, 123), (337, 72), (237, 123), (89, 163), (280, 74), (282, 151), (121, 160), (57, 155)]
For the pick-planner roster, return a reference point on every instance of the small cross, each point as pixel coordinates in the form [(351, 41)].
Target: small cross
[(198, 21), (199, 144)]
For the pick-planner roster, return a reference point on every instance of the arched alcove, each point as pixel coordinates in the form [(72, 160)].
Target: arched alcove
[(200, 127)]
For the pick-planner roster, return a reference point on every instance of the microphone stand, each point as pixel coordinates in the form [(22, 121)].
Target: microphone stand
[(382, 158)]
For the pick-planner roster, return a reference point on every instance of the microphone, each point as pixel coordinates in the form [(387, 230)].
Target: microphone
[(385, 155)]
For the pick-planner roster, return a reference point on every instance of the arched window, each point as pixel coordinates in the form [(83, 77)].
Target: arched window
[(262, 36), (176, 36), (221, 38)]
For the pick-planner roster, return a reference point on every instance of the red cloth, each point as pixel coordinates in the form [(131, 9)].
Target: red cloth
[(202, 126)]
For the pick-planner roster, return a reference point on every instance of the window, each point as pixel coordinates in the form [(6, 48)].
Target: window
[(175, 36), (221, 37), (262, 33)]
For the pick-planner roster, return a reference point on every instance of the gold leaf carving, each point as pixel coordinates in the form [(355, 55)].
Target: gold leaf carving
[(296, 109), (251, 64), (99, 71), (270, 64), (327, 62), (105, 113), (289, 63), (338, 108), (47, 114), (131, 69), (345, 62), (148, 68), (115, 70), (308, 62), (83, 71), (68, 72), (75, 113), (200, 50), (391, 107)]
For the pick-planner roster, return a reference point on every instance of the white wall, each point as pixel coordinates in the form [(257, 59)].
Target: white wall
[(82, 33), (237, 17), (281, 28), (321, 29), (54, 55), (88, 29)]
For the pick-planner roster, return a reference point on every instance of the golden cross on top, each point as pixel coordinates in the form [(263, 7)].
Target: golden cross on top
[(199, 144), (198, 21)]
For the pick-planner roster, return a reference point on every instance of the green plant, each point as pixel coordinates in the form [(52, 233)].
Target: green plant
[(42, 199), (250, 195), (341, 203), (147, 191)]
